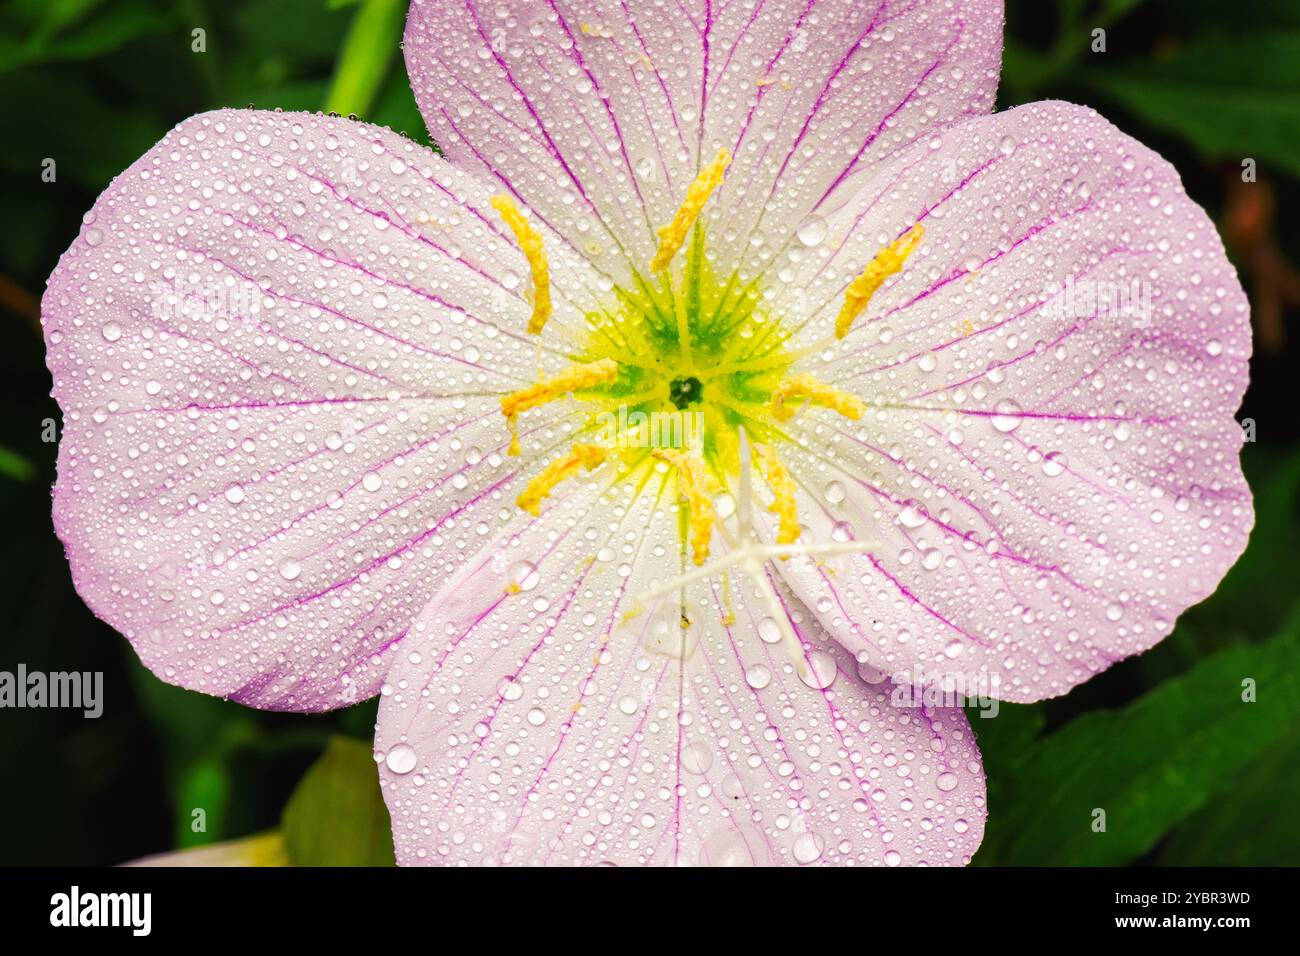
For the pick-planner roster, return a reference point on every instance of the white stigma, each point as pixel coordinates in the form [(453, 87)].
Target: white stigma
[(748, 553)]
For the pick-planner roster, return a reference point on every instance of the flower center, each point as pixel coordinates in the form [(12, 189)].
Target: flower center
[(698, 358), (684, 392), (685, 369)]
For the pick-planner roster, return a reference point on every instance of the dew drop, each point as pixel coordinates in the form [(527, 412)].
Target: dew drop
[(697, 758), (524, 576), (1008, 416), (813, 231), (808, 847), (401, 759), (820, 672)]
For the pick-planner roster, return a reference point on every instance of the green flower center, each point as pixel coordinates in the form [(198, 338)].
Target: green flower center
[(684, 392), (698, 359)]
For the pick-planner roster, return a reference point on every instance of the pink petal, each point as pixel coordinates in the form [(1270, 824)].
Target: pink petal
[(278, 344), (1052, 481), (527, 722), (599, 114)]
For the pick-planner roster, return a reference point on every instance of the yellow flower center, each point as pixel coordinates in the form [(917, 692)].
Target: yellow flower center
[(681, 362)]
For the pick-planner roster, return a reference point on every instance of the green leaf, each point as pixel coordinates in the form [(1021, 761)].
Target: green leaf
[(304, 32), (1004, 737), (337, 816), (1244, 826), (368, 52), (203, 786), (396, 109), (1026, 70), (1147, 766), (39, 31), (1232, 97), (1273, 541), (13, 465)]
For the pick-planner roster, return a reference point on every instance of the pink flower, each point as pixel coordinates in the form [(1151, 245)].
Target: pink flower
[(820, 374)]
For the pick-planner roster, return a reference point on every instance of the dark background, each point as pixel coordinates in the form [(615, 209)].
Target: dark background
[(1186, 772)]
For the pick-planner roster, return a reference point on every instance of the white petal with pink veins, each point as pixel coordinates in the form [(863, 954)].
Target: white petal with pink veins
[(599, 113), (279, 344), (531, 719), (1049, 454)]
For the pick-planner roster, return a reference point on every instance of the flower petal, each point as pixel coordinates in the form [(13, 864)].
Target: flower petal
[(278, 344), (598, 115), (530, 722), (1050, 461)]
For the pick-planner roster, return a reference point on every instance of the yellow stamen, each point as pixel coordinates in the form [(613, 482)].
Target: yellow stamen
[(673, 235), (530, 241), (697, 487), (728, 605), (783, 488), (541, 485), (886, 262), (571, 379), (818, 393)]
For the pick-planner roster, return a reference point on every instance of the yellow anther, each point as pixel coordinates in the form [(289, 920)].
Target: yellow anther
[(571, 379), (530, 241), (673, 235), (817, 393), (540, 487), (783, 488), (697, 487), (728, 605), (886, 262)]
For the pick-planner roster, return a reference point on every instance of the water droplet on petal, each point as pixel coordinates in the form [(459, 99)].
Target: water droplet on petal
[(813, 231), (401, 759), (1008, 416), (808, 847), (820, 672)]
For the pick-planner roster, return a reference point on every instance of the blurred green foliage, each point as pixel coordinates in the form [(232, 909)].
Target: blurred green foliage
[(337, 816), (1146, 767), (367, 54), (1187, 772), (1230, 96)]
